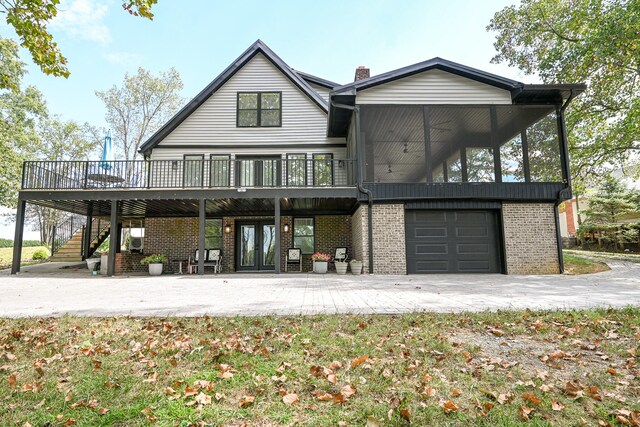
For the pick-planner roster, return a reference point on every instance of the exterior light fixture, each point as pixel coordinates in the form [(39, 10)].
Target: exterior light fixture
[(286, 228), (227, 228)]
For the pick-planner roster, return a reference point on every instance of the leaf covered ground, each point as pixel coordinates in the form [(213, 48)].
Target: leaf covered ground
[(507, 368)]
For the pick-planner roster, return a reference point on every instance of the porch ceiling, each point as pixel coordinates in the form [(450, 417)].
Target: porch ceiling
[(214, 207)]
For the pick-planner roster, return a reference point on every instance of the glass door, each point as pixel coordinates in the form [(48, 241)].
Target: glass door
[(255, 246)]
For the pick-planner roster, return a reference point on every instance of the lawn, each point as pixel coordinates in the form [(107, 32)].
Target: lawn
[(507, 368), (6, 255), (578, 265)]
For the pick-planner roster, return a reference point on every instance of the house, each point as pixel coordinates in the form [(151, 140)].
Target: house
[(432, 168)]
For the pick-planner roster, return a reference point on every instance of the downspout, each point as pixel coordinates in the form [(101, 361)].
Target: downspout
[(362, 189), (565, 192)]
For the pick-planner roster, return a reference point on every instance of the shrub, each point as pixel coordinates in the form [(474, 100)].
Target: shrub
[(40, 254), (152, 259)]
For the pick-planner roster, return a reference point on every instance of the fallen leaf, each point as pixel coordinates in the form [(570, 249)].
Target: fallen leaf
[(203, 399), (290, 399), (404, 413), (429, 391), (11, 379), (456, 392), (449, 407), (102, 411), (246, 401), (556, 406), (525, 411), (612, 371), (358, 361), (531, 398), (348, 391)]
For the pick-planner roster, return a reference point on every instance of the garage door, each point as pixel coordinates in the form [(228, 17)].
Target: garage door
[(447, 241)]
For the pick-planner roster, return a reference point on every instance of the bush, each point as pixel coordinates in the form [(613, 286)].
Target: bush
[(154, 259), (8, 243), (40, 254)]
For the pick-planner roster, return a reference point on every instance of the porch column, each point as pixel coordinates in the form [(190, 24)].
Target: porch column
[(113, 239), (87, 231), (276, 219), (17, 239), (201, 224)]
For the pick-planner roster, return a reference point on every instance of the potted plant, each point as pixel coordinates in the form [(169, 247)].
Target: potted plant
[(320, 262), (155, 262), (356, 266), (341, 267)]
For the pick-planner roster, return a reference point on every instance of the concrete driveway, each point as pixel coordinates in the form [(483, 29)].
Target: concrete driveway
[(45, 290)]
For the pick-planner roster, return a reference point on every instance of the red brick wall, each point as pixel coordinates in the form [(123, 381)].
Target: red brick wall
[(129, 263), (177, 238)]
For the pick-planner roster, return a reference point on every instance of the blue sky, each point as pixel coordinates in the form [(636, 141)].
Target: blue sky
[(200, 38)]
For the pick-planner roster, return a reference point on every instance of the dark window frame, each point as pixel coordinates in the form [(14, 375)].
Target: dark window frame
[(184, 169), (258, 109), (313, 235), (331, 163), (305, 160), (211, 163), (258, 171)]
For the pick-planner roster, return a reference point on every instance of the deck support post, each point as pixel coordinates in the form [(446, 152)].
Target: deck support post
[(87, 232), (276, 220), (201, 227), (113, 239), (17, 239)]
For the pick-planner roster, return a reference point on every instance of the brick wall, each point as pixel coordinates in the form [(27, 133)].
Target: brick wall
[(359, 233), (531, 245), (177, 238), (389, 247), (332, 231), (127, 262)]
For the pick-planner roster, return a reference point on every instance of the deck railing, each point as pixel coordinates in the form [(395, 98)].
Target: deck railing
[(214, 173)]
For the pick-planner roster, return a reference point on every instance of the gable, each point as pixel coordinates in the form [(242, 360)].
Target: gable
[(213, 123), (433, 86)]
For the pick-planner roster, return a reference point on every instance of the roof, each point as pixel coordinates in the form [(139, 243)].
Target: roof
[(259, 46), (317, 80), (339, 117)]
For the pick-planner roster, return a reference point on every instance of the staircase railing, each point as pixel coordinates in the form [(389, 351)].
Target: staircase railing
[(64, 231), (98, 226)]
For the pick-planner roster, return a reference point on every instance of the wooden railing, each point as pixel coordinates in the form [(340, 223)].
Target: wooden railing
[(231, 173)]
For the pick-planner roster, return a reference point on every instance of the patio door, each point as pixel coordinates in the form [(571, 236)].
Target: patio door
[(259, 172), (255, 245)]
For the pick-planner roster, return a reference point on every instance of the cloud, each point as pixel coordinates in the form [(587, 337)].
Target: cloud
[(83, 19), (122, 58)]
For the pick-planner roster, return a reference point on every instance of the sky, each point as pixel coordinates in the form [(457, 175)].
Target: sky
[(200, 38)]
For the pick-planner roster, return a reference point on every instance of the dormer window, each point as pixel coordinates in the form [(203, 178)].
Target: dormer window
[(259, 109)]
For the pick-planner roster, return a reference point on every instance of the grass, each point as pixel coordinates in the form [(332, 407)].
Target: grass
[(578, 265), (560, 368), (6, 255), (625, 256)]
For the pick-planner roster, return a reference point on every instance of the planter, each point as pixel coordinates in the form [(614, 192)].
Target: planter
[(341, 267), (356, 267), (91, 264), (155, 268), (104, 262), (320, 267)]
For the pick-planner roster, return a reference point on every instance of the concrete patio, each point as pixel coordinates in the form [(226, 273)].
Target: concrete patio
[(46, 290)]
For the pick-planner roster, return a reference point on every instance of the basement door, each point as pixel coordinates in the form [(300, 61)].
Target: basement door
[(255, 246), (453, 241)]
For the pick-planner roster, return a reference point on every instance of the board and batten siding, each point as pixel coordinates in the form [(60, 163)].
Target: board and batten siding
[(433, 87), (214, 122)]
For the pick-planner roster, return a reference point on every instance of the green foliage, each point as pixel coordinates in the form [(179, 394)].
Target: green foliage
[(139, 107), (592, 41), (29, 19), (40, 254), (8, 243), (612, 202), (153, 259)]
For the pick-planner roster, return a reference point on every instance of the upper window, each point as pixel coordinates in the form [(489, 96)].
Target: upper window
[(259, 109)]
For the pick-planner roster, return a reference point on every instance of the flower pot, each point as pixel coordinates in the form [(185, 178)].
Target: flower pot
[(320, 267), (356, 268), (341, 267), (155, 269)]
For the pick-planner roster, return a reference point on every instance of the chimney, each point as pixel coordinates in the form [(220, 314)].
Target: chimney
[(362, 73)]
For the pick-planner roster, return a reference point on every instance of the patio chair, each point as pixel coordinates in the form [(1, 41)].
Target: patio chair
[(192, 267), (294, 256), (340, 255), (214, 258)]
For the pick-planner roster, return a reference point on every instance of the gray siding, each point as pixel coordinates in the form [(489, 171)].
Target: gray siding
[(323, 91), (434, 87), (214, 122)]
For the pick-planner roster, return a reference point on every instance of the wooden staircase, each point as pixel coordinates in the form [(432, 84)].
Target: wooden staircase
[(71, 251)]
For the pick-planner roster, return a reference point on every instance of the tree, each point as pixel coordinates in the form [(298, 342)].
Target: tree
[(592, 41), (29, 19), (139, 107), (21, 110), (608, 207), (60, 140)]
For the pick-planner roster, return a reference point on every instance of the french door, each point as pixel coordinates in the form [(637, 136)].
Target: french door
[(262, 172), (255, 245)]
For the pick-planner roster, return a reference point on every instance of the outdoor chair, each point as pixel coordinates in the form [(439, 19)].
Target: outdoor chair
[(214, 258), (294, 256), (192, 267), (340, 255)]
